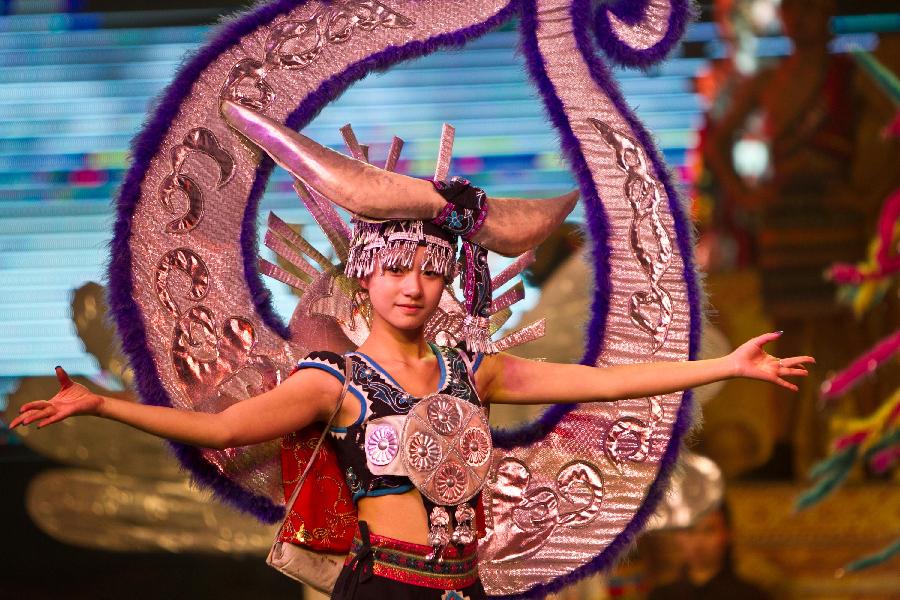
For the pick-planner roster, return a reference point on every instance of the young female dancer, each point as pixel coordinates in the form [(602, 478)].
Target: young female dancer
[(403, 267), (402, 300)]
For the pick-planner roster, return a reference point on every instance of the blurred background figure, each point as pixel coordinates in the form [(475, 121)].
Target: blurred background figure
[(779, 117), (708, 571), (790, 159)]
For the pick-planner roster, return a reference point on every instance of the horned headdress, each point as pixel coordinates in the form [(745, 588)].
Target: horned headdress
[(379, 197)]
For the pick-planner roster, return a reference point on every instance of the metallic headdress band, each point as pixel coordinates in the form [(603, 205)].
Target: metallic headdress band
[(394, 243)]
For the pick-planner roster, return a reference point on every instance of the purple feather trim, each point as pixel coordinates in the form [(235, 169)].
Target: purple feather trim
[(597, 224), (598, 228), (632, 12), (125, 311)]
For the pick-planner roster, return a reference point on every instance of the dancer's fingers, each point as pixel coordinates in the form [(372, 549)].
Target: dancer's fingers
[(33, 405), (17, 421), (794, 361), (52, 419), (34, 415), (786, 384), (63, 377), (768, 337), (793, 372)]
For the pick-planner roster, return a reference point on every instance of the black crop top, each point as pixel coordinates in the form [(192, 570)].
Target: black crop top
[(379, 395)]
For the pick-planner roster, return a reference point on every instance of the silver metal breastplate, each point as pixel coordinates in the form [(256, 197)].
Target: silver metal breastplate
[(443, 445)]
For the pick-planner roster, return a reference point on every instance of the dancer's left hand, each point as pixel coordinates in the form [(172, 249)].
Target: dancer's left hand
[(750, 360)]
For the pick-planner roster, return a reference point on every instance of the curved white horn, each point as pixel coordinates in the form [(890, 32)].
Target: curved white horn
[(516, 225), (513, 225), (359, 187)]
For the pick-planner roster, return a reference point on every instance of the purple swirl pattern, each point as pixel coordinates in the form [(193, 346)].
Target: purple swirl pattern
[(650, 265), (640, 33)]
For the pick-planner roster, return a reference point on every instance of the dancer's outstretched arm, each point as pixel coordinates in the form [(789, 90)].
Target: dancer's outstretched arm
[(307, 396), (507, 379)]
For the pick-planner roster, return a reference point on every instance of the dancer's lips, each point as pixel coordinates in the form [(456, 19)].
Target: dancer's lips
[(410, 308)]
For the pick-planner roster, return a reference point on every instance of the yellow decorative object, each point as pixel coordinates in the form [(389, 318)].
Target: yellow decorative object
[(875, 422), (302, 534)]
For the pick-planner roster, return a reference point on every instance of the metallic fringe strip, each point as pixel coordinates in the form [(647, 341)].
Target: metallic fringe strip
[(275, 272), (499, 319), (353, 145), (527, 334), (363, 249), (398, 253), (328, 219), (283, 229), (522, 262), (476, 333), (285, 251), (508, 298), (440, 258), (445, 153), (396, 247), (393, 154)]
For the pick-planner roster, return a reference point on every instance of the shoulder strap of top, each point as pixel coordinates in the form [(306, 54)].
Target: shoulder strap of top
[(330, 362), (472, 360)]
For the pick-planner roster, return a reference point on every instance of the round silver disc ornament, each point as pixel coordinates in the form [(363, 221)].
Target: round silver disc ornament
[(423, 452), (444, 416), (382, 445), (475, 445), (458, 438)]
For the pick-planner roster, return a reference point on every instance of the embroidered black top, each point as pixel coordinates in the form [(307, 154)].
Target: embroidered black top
[(379, 395)]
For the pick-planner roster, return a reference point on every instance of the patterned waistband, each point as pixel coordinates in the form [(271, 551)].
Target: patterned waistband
[(407, 563)]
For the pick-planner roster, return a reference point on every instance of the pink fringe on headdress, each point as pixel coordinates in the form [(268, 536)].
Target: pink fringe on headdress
[(364, 247), (440, 257), (477, 335)]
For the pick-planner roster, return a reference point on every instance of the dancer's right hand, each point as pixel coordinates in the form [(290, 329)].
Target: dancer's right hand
[(72, 399)]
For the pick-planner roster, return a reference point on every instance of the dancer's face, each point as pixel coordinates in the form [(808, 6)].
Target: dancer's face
[(405, 298)]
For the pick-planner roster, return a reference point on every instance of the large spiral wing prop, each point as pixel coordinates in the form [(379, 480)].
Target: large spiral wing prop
[(569, 503), (567, 493)]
